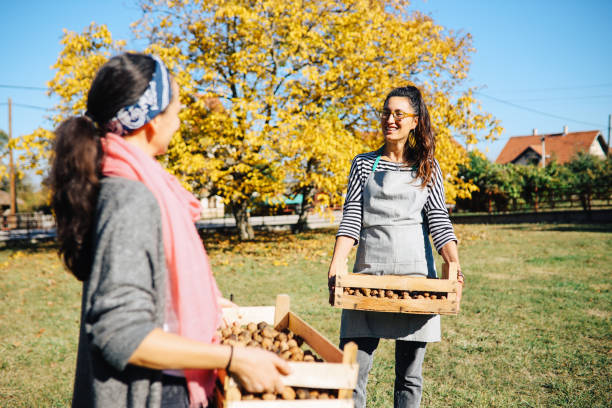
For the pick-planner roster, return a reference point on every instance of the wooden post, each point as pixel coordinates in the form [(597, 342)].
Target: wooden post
[(13, 188), (349, 357), (283, 303)]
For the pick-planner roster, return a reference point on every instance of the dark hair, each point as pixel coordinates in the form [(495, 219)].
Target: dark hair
[(75, 173), (421, 153)]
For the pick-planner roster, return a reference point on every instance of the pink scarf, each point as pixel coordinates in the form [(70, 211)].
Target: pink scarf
[(192, 288)]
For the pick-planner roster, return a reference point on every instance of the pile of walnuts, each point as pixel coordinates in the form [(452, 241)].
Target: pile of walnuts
[(394, 294), (290, 393), (284, 343)]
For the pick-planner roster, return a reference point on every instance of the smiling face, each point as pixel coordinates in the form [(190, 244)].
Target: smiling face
[(395, 130)]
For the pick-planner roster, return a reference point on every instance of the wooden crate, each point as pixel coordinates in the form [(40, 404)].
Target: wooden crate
[(338, 371), (448, 284)]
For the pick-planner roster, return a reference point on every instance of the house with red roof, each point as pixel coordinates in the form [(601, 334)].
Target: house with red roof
[(560, 147)]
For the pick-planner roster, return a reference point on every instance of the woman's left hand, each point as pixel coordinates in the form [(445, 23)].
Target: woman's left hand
[(461, 280), (226, 303)]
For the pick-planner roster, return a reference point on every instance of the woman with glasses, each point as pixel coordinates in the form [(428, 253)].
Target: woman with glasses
[(395, 198), (125, 226)]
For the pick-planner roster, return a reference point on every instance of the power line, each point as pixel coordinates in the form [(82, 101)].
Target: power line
[(23, 105), (567, 88), (539, 112), (30, 88), (562, 98)]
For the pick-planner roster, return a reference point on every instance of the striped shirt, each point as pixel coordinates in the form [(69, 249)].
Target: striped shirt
[(434, 211)]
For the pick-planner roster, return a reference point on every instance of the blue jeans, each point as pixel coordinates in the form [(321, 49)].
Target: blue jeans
[(174, 392), (409, 356)]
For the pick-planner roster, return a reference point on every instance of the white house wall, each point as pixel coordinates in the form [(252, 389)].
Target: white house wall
[(596, 149)]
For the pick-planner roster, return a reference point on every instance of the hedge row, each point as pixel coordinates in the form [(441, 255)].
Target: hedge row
[(506, 187)]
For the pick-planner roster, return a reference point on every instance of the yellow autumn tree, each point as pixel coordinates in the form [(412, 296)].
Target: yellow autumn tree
[(298, 84), (280, 96), (81, 57)]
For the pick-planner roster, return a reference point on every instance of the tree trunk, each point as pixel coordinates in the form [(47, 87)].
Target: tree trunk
[(302, 222), (588, 201), (583, 201), (551, 200), (243, 225)]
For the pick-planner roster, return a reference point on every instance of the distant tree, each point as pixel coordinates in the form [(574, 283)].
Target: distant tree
[(559, 183), (509, 187), (534, 184), (493, 182), (590, 177), (606, 189)]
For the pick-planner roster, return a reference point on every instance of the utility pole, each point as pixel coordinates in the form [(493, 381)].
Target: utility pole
[(543, 139), (609, 126), (11, 163)]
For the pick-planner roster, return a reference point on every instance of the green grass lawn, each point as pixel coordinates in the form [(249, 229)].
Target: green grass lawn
[(534, 331)]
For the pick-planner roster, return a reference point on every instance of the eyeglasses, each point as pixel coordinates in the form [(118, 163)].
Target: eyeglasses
[(397, 114)]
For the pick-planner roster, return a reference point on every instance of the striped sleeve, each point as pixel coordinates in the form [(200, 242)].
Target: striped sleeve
[(350, 225), (440, 227)]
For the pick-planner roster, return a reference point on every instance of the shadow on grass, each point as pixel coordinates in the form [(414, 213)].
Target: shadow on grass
[(560, 227), (213, 240), (584, 228), (29, 246), (220, 240)]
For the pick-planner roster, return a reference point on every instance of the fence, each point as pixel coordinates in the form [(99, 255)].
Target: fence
[(35, 226), (603, 216), (26, 226), (272, 222)]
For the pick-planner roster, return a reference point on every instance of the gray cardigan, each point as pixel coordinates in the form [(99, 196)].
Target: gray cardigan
[(123, 299)]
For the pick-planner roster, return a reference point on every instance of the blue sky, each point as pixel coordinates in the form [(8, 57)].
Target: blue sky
[(538, 64)]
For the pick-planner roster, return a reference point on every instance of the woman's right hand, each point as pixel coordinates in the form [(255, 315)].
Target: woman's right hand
[(334, 270), (258, 370), (339, 263)]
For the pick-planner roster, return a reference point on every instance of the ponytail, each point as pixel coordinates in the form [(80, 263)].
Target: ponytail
[(77, 164), (75, 182)]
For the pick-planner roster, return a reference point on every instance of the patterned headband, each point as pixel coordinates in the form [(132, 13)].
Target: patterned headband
[(151, 103)]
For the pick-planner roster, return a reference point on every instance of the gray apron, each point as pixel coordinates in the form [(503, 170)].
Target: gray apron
[(394, 241)]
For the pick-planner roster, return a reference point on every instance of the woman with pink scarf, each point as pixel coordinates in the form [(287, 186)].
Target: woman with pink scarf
[(150, 305)]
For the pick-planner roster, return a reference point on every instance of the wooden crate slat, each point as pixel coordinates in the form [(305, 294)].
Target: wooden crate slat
[(411, 306), (355, 280), (282, 308), (322, 375), (449, 271), (349, 356), (323, 347), (331, 403)]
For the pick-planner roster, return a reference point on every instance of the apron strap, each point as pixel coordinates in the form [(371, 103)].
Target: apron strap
[(375, 164)]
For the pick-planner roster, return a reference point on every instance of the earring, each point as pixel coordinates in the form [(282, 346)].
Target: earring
[(411, 139)]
